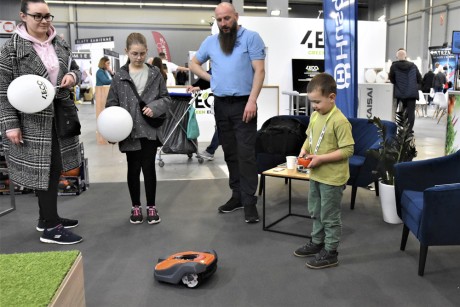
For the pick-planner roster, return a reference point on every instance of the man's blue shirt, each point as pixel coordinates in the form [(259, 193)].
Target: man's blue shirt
[(232, 75)]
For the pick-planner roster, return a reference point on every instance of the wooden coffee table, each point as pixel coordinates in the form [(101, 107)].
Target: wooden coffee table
[(282, 172)]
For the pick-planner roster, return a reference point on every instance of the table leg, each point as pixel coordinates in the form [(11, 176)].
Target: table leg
[(290, 196), (262, 179)]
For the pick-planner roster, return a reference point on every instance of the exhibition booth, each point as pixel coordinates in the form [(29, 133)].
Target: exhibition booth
[(295, 53), (288, 41)]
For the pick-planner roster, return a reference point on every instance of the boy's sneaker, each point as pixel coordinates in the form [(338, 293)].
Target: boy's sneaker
[(152, 215), (250, 214), (230, 206), (309, 249), (60, 235), (67, 223), (323, 259), (136, 215), (206, 155)]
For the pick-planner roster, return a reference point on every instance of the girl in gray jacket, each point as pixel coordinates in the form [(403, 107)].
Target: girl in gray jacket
[(141, 145)]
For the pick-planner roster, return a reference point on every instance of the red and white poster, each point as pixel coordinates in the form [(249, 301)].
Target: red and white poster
[(7, 26), (162, 45)]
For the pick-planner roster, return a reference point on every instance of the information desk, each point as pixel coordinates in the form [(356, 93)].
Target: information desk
[(376, 99), (284, 173)]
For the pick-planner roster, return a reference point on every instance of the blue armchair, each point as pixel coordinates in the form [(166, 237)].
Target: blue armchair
[(273, 147), (428, 202), (362, 164)]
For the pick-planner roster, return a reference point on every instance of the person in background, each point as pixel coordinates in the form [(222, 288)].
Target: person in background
[(171, 67), (156, 61), (141, 145), (207, 154), (439, 79), (329, 144), (427, 85), (104, 74), (169, 77), (406, 79), (238, 70), (87, 79), (34, 152), (448, 83)]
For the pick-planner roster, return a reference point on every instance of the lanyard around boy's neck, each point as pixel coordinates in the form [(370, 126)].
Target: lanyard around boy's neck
[(310, 137)]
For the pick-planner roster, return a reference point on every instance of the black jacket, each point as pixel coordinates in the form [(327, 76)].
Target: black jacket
[(439, 80), (406, 79), (427, 82)]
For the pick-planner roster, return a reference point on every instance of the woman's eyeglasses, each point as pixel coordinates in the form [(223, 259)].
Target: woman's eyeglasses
[(39, 17)]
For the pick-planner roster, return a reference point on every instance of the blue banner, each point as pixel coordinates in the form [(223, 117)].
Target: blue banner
[(340, 51)]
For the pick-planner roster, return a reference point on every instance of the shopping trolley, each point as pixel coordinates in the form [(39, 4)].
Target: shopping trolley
[(175, 129)]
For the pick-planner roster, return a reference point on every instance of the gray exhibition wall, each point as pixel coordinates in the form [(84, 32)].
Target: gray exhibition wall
[(184, 31), (425, 27)]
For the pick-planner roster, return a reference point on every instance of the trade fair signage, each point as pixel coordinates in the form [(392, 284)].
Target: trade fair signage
[(340, 51)]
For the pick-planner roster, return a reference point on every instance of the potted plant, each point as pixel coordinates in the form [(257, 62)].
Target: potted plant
[(392, 150)]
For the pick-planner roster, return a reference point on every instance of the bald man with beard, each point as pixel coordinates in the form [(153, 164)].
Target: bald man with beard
[(237, 58)]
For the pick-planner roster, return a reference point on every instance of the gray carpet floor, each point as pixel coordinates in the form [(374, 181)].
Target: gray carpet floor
[(255, 268)]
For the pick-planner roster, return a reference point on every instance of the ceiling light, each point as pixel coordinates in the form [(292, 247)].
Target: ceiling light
[(133, 4), (153, 4), (275, 13)]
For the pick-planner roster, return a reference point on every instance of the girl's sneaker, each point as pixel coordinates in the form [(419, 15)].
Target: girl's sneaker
[(136, 215), (152, 215)]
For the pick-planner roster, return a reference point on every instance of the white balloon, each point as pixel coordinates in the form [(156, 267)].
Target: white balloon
[(370, 75), (30, 93), (114, 124), (382, 77)]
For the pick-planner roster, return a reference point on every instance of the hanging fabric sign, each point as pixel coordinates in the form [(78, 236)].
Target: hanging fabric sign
[(340, 51), (162, 45)]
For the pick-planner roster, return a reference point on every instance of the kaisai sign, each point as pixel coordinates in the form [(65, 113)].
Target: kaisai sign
[(7, 26)]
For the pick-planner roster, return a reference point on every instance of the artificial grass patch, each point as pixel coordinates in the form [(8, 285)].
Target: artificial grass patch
[(31, 279)]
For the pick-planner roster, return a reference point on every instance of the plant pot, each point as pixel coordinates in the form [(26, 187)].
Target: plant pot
[(388, 202)]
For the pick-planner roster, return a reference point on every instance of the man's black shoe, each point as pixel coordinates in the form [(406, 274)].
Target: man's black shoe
[(250, 214), (231, 205)]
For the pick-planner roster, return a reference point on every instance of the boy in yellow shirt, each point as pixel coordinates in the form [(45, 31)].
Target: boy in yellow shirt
[(329, 144)]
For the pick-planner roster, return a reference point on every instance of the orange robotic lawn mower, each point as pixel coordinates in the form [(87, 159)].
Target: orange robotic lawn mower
[(189, 267)]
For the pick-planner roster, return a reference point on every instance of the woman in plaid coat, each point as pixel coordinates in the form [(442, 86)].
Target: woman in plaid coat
[(34, 153)]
